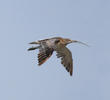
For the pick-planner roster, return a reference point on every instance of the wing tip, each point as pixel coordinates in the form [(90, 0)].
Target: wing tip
[(71, 73)]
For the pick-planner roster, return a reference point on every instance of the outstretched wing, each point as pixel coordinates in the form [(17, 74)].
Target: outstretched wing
[(66, 58), (44, 54)]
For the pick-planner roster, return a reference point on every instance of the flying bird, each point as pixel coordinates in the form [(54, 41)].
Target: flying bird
[(48, 46)]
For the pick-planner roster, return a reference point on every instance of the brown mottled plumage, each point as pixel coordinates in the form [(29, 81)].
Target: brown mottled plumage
[(58, 44)]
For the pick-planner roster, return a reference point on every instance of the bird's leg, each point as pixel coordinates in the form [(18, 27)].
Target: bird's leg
[(33, 48)]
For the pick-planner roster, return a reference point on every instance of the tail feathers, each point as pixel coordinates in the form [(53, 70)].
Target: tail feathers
[(35, 42), (33, 48)]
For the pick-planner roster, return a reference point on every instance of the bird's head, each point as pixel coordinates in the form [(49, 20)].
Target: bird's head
[(68, 41)]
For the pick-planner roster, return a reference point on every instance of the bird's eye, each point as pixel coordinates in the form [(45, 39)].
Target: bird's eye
[(57, 41)]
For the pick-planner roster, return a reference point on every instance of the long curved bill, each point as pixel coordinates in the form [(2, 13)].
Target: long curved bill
[(80, 42)]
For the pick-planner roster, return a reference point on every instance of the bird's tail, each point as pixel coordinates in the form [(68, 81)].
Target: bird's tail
[(33, 48)]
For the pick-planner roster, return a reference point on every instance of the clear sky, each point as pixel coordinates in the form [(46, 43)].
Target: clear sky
[(24, 21)]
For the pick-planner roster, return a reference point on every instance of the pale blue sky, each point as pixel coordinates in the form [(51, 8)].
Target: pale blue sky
[(23, 21)]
